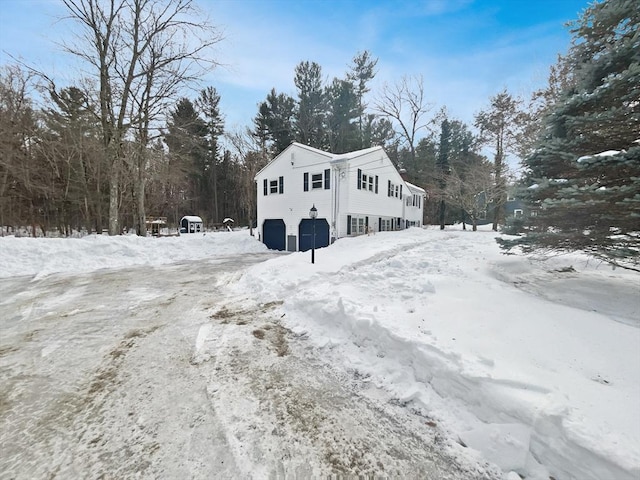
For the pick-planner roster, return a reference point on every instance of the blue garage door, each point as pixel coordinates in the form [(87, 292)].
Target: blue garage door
[(305, 231), (273, 234)]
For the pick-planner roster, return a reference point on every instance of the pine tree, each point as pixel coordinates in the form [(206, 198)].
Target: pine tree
[(362, 72), (311, 105), (442, 164), (341, 117), (584, 178), (208, 104), (275, 121), (187, 168)]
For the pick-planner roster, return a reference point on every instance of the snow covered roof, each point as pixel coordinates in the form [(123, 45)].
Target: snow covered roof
[(192, 218), (331, 157), (356, 154), (228, 220), (415, 188)]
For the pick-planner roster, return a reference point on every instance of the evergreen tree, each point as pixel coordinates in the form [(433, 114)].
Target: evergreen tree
[(275, 121), (311, 105), (187, 168), (341, 117), (584, 177), (443, 167), (208, 104), (378, 132), (361, 73)]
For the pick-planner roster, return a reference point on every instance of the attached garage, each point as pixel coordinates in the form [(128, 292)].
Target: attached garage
[(273, 234), (305, 230)]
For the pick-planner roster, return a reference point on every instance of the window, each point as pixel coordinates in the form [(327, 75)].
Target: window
[(517, 213), (367, 182), (318, 180), (270, 187), (386, 225), (534, 213), (394, 190), (358, 226)]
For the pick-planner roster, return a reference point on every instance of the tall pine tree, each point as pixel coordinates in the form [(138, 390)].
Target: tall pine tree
[(584, 177)]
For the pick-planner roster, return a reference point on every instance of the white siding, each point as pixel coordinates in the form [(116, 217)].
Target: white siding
[(294, 204), (343, 199), (414, 205)]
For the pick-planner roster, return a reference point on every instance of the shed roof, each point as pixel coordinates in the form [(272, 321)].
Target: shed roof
[(192, 218)]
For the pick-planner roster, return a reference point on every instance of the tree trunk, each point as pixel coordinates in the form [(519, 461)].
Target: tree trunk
[(114, 184), (441, 213), (140, 217)]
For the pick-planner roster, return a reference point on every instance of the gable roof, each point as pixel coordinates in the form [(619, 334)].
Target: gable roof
[(290, 147), (331, 157)]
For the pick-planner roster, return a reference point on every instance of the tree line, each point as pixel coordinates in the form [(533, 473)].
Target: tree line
[(125, 142)]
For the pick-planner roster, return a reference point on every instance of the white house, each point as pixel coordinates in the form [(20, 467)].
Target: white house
[(353, 193)]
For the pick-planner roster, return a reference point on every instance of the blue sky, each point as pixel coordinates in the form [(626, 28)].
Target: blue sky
[(466, 50)]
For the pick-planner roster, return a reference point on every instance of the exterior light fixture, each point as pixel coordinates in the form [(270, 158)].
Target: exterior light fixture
[(313, 213)]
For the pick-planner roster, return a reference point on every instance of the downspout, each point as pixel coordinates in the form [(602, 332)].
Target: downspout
[(335, 199)]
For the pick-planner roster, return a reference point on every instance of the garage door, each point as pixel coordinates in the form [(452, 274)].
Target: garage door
[(273, 234), (305, 231)]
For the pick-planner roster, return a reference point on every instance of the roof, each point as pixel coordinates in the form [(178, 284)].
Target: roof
[(293, 144), (415, 188), (192, 218), (331, 156)]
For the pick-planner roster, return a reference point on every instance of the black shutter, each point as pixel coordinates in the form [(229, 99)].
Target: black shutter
[(306, 182), (379, 224), (366, 222), (376, 183), (389, 194), (359, 179), (281, 185), (400, 192), (327, 179), (348, 224), (265, 185)]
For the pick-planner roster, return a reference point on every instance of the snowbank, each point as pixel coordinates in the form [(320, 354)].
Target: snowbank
[(44, 256), (534, 364)]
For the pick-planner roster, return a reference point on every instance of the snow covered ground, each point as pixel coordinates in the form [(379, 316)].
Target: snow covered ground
[(530, 364)]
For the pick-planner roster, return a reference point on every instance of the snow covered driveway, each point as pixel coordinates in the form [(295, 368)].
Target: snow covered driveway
[(151, 372)]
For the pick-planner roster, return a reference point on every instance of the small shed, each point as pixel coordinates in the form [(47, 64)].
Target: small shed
[(191, 224)]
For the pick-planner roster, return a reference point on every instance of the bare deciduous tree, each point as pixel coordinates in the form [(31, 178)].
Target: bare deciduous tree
[(469, 188), (501, 126), (405, 104), (141, 53)]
